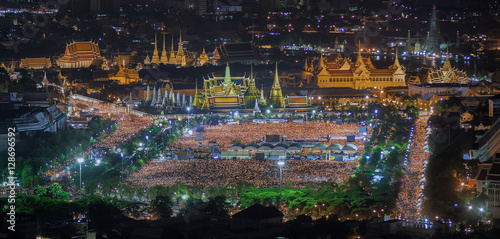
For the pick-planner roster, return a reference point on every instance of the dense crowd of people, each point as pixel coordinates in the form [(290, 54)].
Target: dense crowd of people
[(261, 173), (128, 126), (226, 135), (411, 193)]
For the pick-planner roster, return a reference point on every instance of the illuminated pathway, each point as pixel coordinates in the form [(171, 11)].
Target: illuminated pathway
[(411, 194)]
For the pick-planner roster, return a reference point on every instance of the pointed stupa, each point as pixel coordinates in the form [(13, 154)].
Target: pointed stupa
[(359, 61), (447, 64), (153, 101), (256, 108), (322, 62), (180, 50), (147, 95), (172, 97), (164, 58), (196, 99), (164, 102), (276, 96), (323, 68), (262, 99), (130, 100), (156, 57), (190, 101), (251, 94), (396, 64), (183, 99), (45, 82), (178, 99), (172, 53), (147, 61), (227, 76), (158, 100)]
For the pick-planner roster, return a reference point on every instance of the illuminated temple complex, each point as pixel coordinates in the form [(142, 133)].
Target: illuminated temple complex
[(80, 54), (178, 57), (447, 74), (362, 74), (225, 91)]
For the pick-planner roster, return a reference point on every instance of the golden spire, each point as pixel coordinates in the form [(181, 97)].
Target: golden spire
[(164, 59), (156, 58), (276, 95), (276, 82), (447, 64), (396, 64)]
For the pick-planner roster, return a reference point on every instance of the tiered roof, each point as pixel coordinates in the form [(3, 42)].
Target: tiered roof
[(80, 51)]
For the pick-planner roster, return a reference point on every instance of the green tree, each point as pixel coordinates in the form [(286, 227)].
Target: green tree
[(162, 205), (55, 190), (40, 191)]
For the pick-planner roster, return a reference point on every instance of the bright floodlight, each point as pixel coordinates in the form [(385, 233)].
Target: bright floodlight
[(481, 209), (147, 137), (314, 111), (140, 144), (268, 111), (281, 163), (184, 197), (80, 160), (236, 113), (188, 108), (98, 161)]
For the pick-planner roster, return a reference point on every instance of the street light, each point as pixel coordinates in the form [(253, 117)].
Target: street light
[(481, 213), (188, 109), (80, 161), (281, 164)]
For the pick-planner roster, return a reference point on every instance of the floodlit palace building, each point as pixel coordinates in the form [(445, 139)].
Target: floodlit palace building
[(362, 74), (80, 55)]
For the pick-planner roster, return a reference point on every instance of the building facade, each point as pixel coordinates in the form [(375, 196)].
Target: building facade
[(362, 74), (226, 91), (35, 63), (79, 55)]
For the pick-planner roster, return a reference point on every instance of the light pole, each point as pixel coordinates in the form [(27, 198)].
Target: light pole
[(188, 109), (281, 164), (121, 155), (170, 123), (80, 161), (481, 213)]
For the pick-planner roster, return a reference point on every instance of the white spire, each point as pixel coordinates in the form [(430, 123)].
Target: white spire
[(147, 95), (153, 102), (256, 109)]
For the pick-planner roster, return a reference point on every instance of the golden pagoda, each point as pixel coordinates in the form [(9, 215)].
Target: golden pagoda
[(447, 74), (164, 58), (203, 58), (252, 93), (276, 96), (156, 58)]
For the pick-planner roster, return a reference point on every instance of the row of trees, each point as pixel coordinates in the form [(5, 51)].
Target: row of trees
[(447, 168), (36, 153)]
